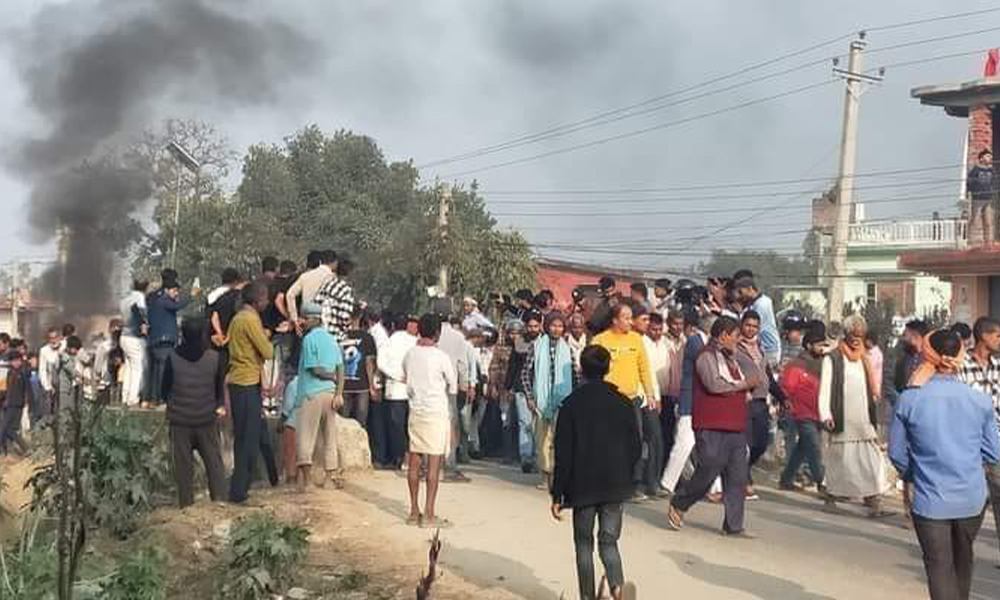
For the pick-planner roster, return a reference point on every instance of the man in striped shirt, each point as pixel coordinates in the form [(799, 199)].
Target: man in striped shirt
[(981, 370), (336, 298)]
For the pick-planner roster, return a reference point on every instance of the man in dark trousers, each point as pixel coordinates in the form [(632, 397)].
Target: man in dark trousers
[(597, 445), (942, 434), (719, 419)]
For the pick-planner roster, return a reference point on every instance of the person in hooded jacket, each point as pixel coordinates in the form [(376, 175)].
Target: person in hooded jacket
[(193, 383)]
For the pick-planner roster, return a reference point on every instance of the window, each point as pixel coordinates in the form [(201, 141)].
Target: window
[(871, 292)]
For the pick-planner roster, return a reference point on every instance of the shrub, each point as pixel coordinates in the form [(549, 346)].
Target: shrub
[(139, 577), (263, 554), (27, 564), (124, 462)]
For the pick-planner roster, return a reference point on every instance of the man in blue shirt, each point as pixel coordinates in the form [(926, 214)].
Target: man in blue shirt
[(942, 433), (319, 393), (751, 298)]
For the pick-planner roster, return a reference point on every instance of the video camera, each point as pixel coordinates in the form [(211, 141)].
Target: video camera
[(690, 294)]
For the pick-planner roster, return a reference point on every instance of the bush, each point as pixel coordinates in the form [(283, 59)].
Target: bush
[(27, 565), (139, 577), (263, 555), (124, 461)]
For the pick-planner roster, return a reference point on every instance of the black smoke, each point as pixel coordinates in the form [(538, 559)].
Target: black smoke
[(98, 75)]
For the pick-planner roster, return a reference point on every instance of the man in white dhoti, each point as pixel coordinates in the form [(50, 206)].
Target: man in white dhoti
[(855, 465)]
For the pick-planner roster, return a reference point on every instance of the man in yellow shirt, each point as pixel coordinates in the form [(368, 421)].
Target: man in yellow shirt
[(630, 371), (249, 347)]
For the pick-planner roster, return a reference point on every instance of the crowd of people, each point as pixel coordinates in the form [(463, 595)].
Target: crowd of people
[(669, 394)]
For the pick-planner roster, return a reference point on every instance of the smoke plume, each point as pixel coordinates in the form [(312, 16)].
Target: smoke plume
[(100, 79)]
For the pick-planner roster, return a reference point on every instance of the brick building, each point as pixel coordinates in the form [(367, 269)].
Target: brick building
[(973, 271)]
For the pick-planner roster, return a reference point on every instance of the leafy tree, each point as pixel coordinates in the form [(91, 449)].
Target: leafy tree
[(340, 192)]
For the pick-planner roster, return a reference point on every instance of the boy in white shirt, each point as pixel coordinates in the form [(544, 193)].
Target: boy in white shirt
[(430, 379)]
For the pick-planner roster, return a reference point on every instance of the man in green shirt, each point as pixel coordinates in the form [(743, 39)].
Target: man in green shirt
[(249, 347)]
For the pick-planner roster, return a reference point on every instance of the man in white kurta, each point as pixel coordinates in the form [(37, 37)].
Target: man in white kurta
[(855, 465)]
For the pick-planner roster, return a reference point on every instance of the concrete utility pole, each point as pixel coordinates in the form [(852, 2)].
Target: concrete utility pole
[(845, 185), (444, 206)]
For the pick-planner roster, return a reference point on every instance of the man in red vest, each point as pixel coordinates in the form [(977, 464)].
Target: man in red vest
[(719, 419)]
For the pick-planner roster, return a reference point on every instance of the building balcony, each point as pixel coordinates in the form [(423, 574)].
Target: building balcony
[(935, 233)]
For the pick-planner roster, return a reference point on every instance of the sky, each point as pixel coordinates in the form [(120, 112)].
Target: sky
[(432, 80)]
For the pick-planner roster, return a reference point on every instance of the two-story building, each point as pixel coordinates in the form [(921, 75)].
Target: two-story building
[(873, 250)]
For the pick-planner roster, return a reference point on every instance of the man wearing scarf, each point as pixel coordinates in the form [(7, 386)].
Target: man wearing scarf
[(548, 378), (719, 418), (942, 434), (800, 381), (855, 466), (752, 360)]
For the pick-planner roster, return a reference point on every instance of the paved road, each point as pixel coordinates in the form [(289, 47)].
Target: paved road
[(504, 538)]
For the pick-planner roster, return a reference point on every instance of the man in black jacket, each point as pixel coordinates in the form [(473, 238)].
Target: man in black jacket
[(597, 446)]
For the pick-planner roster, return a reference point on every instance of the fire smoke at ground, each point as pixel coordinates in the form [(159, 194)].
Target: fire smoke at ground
[(98, 73)]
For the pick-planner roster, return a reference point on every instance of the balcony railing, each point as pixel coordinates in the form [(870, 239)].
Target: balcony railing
[(942, 233)]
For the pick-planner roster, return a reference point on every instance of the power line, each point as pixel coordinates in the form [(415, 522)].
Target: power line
[(687, 199), (531, 137), (932, 40), (594, 120), (701, 211), (948, 17), (712, 186), (621, 117), (645, 130)]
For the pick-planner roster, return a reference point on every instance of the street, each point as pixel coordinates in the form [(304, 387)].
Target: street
[(504, 539)]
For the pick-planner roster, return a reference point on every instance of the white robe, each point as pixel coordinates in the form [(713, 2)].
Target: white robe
[(855, 465)]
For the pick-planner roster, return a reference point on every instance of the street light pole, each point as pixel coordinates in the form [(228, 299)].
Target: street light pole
[(189, 162), (177, 221)]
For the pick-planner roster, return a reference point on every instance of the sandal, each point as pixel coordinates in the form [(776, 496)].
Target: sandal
[(435, 523)]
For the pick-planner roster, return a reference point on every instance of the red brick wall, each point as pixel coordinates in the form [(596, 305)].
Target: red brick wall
[(980, 132), (562, 280)]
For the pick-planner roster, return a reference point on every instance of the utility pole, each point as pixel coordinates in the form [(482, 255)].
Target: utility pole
[(844, 198), (444, 206)]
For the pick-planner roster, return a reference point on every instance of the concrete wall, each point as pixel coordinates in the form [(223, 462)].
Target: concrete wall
[(970, 298)]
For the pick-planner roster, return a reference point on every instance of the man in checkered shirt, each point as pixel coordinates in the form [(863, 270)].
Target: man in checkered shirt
[(336, 298), (981, 370)]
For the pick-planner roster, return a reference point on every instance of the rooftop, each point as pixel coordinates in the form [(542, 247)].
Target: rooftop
[(974, 261), (958, 98)]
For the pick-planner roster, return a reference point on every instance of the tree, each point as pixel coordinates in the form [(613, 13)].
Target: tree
[(340, 192)]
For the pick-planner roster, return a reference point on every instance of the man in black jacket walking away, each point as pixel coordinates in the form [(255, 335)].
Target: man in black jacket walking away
[(597, 446), (193, 381)]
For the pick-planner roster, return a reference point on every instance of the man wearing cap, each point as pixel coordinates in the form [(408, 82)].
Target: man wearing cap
[(473, 319), (336, 299), (319, 394)]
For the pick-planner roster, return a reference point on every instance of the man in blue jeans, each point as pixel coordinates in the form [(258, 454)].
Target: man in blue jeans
[(800, 380), (597, 445), (515, 383)]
